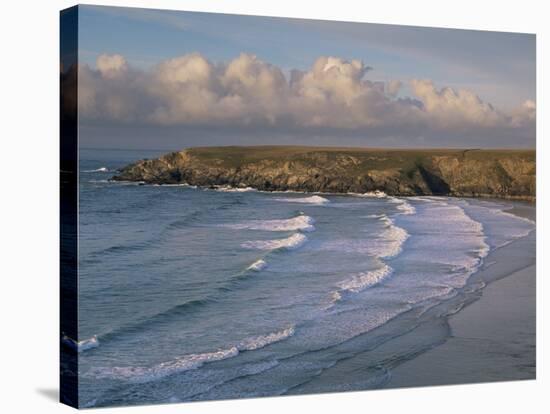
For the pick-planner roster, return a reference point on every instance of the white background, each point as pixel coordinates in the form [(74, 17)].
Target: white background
[(29, 204)]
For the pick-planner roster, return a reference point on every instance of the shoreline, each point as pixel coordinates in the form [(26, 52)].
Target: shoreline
[(375, 194), (496, 330)]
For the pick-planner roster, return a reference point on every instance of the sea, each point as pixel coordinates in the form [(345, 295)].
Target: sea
[(190, 293)]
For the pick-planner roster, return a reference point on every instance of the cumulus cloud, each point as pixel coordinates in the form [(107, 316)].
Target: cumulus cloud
[(393, 87), (525, 114), (111, 66), (333, 93), (450, 108)]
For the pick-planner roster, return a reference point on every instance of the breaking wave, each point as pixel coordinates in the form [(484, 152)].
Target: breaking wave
[(370, 194), (189, 361), (101, 169), (358, 283), (302, 222), (390, 243), (235, 189), (292, 242), (387, 244), (365, 280), (463, 253), (251, 344), (307, 200), (80, 346), (403, 206), (257, 265)]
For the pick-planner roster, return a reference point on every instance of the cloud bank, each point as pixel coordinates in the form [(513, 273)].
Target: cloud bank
[(247, 92)]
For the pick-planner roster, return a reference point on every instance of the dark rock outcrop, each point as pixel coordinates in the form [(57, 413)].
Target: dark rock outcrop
[(469, 173)]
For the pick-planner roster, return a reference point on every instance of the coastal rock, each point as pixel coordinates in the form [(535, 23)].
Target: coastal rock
[(473, 173)]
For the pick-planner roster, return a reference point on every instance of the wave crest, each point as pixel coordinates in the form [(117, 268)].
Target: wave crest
[(80, 346), (318, 200), (235, 189), (292, 242), (390, 244), (302, 222), (370, 194), (365, 280), (164, 369), (101, 169), (257, 265), (403, 206), (251, 344), (189, 361)]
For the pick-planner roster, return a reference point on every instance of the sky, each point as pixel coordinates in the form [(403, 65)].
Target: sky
[(168, 80)]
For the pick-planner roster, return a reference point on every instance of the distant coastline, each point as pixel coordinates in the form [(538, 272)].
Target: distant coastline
[(506, 174)]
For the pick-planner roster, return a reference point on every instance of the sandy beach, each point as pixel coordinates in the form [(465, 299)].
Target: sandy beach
[(493, 338)]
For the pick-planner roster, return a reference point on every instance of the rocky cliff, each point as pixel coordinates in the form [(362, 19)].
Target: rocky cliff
[(470, 173)]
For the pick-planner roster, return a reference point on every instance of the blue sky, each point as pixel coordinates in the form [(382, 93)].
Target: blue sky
[(497, 67)]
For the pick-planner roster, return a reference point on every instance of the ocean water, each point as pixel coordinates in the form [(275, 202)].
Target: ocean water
[(197, 294)]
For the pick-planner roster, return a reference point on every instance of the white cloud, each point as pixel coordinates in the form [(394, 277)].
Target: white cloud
[(450, 108), (111, 66), (525, 114), (393, 87), (333, 93)]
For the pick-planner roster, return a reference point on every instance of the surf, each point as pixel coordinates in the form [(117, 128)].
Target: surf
[(317, 200), (101, 169), (364, 280), (141, 374), (300, 222), (258, 265), (80, 346), (290, 243)]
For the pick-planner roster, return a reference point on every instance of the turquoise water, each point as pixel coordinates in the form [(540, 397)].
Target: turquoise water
[(194, 294)]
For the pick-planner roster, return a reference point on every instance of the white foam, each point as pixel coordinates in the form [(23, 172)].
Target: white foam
[(147, 374), (292, 242), (177, 185), (189, 361), (365, 280), (452, 239), (386, 244), (257, 265), (304, 223), (318, 200), (375, 216), (503, 227), (123, 182), (390, 242), (235, 189), (251, 344), (335, 296), (370, 194), (403, 206), (81, 346), (520, 218), (101, 169)]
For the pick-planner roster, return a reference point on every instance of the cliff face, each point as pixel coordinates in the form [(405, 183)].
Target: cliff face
[(490, 173)]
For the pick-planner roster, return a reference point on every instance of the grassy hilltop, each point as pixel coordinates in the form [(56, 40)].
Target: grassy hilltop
[(470, 172)]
